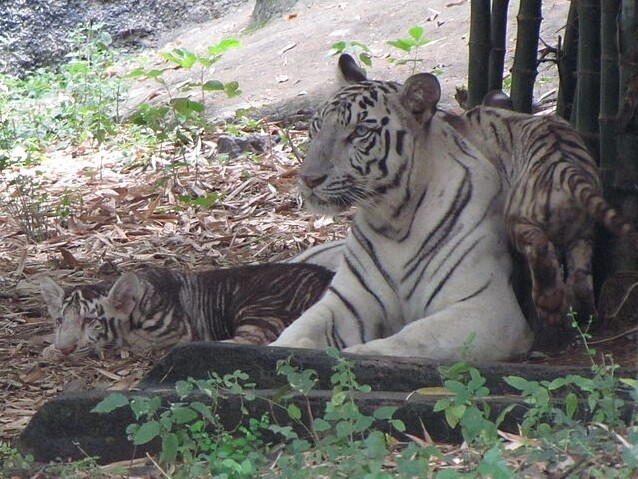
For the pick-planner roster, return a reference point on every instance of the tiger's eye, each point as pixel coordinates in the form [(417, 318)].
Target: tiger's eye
[(361, 130)]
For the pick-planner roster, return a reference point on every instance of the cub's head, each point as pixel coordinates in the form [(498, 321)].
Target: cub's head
[(78, 315), (362, 139), (89, 318)]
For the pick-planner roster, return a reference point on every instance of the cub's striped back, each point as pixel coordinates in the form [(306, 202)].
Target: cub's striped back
[(554, 199), (156, 308)]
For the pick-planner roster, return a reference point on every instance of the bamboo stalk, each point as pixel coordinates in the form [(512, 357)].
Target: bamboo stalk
[(567, 64), (525, 59), (477, 77), (609, 83), (627, 137), (498, 40), (588, 89)]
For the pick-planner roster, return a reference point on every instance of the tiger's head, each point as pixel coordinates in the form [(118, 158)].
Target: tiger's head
[(360, 139), (89, 318), (80, 327)]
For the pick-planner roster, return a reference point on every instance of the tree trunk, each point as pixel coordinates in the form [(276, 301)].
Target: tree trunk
[(477, 77), (588, 88), (567, 64), (264, 10), (498, 36), (525, 59)]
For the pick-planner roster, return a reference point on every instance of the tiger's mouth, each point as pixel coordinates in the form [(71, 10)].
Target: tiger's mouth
[(319, 205)]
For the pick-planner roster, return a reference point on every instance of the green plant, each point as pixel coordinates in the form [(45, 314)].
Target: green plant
[(468, 405), (355, 48), (13, 461), (409, 45), (27, 203), (183, 110)]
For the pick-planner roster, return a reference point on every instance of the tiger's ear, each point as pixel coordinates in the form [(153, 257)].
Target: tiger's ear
[(124, 293), (420, 95), (498, 99), (350, 71), (53, 295)]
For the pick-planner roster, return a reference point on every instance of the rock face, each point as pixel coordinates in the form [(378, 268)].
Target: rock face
[(34, 33)]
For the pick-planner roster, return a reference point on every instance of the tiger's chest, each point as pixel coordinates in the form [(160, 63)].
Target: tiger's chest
[(444, 248)]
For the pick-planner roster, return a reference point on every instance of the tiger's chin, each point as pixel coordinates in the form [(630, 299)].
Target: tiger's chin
[(323, 207)]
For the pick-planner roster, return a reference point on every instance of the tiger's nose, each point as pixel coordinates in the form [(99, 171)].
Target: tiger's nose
[(312, 181), (66, 350)]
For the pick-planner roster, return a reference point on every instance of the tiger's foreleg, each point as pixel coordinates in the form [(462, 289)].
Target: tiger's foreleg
[(548, 289), (339, 319)]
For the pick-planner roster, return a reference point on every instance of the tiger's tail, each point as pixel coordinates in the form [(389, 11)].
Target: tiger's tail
[(599, 209)]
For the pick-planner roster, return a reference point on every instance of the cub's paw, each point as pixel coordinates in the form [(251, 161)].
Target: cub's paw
[(52, 353), (550, 306)]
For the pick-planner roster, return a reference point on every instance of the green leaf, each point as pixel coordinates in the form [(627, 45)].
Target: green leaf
[(183, 414), (111, 403), (183, 388), (402, 44), (232, 89), (398, 424), (187, 107), (453, 414), (170, 444), (146, 433), (571, 405), (337, 47), (181, 57), (339, 398), (320, 425), (138, 72), (416, 32), (366, 59), (223, 46), (294, 412), (384, 412), (213, 85)]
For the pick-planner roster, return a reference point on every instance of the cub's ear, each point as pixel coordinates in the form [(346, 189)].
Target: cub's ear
[(498, 99), (53, 295), (124, 294), (350, 71), (420, 95)]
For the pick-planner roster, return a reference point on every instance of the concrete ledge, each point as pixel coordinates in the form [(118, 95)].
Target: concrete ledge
[(64, 428)]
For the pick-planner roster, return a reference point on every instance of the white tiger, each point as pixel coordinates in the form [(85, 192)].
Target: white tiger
[(425, 269)]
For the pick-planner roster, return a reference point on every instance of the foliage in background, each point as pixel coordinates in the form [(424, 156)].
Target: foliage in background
[(181, 111)]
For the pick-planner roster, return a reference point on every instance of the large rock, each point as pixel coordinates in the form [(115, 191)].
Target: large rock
[(35, 33)]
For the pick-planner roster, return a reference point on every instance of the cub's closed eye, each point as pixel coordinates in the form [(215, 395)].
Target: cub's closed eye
[(89, 319)]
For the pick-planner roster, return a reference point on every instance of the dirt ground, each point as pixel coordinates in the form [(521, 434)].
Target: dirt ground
[(287, 62), (125, 213)]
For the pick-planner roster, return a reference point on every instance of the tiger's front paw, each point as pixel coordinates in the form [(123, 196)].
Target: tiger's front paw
[(303, 343)]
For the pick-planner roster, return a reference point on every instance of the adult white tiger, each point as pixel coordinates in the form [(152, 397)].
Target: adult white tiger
[(426, 270)]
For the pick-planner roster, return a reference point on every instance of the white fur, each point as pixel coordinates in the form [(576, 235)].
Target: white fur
[(488, 326)]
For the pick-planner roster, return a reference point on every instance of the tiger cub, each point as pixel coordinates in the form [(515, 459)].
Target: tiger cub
[(554, 200), (156, 308)]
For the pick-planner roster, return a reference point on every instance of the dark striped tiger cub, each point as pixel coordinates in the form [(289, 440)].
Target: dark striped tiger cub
[(425, 269), (156, 308), (554, 200)]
